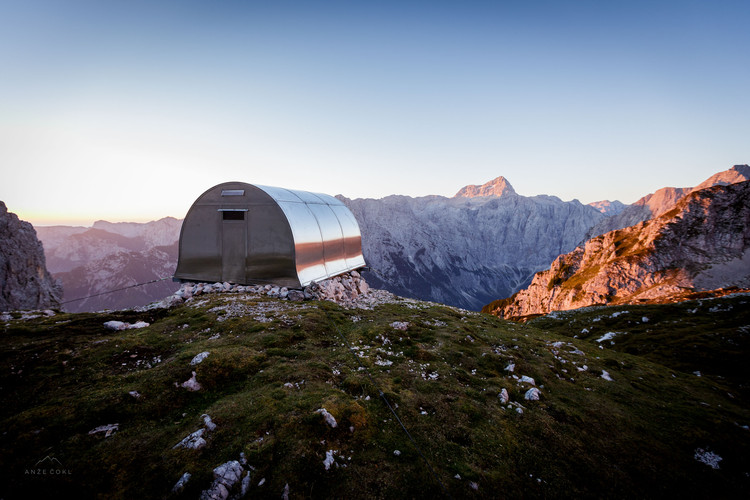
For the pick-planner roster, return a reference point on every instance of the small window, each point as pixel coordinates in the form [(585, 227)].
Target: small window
[(233, 192), (233, 215)]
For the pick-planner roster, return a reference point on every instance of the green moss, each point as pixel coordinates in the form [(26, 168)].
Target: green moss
[(263, 383)]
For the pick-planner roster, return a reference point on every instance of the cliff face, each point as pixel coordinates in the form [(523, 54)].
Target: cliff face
[(25, 282), (661, 201), (467, 250), (703, 243)]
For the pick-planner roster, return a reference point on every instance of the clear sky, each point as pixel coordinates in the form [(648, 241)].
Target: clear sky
[(129, 110)]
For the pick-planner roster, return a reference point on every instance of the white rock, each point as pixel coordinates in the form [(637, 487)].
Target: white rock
[(228, 473), (285, 493), (328, 417), (504, 398), (192, 384), (707, 457), (107, 429), (400, 325), (119, 325), (245, 484), (605, 376), (199, 357), (225, 477), (115, 325), (606, 336), (397, 453), (135, 394), (510, 367), (329, 460), (193, 441), (209, 423), (180, 484), (528, 380), (533, 394)]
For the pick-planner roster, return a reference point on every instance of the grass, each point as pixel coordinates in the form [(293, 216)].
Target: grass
[(268, 372)]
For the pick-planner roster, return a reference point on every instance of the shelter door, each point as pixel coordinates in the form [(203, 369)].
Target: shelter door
[(233, 250)]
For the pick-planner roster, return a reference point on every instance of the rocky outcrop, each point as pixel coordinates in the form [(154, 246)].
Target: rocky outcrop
[(608, 208), (703, 243), (496, 187), (349, 290), (663, 200), (464, 251), (25, 282)]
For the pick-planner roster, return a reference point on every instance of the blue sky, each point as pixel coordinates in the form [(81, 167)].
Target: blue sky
[(128, 110)]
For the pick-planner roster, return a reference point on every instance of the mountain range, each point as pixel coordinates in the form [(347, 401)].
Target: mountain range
[(110, 256), (484, 243), (701, 244)]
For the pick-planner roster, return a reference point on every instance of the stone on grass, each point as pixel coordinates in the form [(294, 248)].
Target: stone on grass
[(192, 384), (707, 457), (225, 477), (329, 460), (209, 423), (328, 417), (532, 394), (180, 484), (504, 398), (119, 325), (199, 357), (193, 441), (108, 429)]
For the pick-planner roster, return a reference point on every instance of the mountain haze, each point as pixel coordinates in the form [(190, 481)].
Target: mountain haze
[(109, 256)]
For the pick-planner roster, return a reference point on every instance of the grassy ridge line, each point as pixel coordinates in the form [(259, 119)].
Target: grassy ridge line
[(586, 437)]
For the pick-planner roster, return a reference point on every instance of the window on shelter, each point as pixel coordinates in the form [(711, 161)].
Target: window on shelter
[(233, 215)]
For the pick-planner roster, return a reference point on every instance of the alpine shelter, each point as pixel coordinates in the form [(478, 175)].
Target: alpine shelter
[(250, 234)]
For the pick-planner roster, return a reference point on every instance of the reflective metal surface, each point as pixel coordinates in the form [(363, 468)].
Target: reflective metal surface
[(287, 237)]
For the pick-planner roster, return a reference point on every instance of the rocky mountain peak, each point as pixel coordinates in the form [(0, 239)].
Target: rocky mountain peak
[(702, 244), (25, 282), (607, 207), (738, 173), (663, 200), (496, 187)]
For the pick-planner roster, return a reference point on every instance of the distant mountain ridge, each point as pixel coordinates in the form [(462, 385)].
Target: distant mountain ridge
[(702, 243), (108, 256), (662, 200), (485, 241)]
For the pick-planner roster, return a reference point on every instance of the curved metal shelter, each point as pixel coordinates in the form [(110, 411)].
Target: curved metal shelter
[(249, 234)]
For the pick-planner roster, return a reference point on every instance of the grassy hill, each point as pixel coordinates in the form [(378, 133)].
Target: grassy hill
[(621, 420)]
